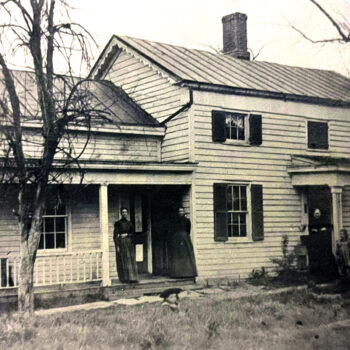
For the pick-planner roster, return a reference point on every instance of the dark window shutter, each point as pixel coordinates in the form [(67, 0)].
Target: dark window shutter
[(219, 126), (257, 212), (317, 135), (220, 212), (255, 129)]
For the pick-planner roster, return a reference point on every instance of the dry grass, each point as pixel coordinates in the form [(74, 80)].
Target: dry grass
[(287, 321)]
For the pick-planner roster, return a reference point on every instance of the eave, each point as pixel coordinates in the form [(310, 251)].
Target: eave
[(230, 90)]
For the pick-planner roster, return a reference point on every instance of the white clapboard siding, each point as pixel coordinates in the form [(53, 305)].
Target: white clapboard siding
[(9, 238), (147, 87), (85, 224), (283, 135)]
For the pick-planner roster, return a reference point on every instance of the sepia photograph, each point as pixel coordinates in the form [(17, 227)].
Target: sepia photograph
[(175, 174)]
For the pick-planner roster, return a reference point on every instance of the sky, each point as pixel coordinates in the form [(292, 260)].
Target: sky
[(197, 24)]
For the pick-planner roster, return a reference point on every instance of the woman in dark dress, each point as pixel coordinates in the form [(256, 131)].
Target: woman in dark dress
[(125, 250), (182, 262), (319, 245)]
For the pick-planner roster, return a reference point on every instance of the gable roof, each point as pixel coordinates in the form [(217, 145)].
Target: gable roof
[(201, 69), (114, 104)]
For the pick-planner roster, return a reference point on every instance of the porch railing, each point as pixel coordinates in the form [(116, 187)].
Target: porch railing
[(60, 268)]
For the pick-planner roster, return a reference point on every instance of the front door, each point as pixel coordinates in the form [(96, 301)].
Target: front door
[(319, 241)]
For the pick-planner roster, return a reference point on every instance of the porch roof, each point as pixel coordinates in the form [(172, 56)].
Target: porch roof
[(319, 170), (133, 173)]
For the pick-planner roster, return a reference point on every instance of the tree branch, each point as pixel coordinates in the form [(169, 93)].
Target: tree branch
[(344, 37)]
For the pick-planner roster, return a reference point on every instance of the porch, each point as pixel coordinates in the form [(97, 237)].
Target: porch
[(78, 246), (323, 183)]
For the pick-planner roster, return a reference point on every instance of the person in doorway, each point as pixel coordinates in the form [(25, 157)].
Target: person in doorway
[(321, 259), (182, 262), (343, 254), (125, 250), (318, 224)]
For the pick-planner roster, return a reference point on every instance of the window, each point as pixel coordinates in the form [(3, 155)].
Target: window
[(317, 135), (237, 126), (235, 129), (54, 227), (238, 211)]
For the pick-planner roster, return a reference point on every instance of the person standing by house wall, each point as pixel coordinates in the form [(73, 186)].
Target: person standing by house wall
[(182, 261), (124, 248), (343, 254)]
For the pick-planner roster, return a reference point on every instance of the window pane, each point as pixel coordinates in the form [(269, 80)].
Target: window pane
[(244, 198), (60, 224), (229, 198), (235, 231), (243, 230), (241, 129), (235, 218), (235, 191), (49, 225), (234, 133), (242, 218), (60, 240), (49, 241)]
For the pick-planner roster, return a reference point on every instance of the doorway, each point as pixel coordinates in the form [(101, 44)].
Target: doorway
[(151, 210), (319, 240), (165, 201)]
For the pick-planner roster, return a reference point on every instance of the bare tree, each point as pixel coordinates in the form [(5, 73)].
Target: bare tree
[(341, 25), (42, 30)]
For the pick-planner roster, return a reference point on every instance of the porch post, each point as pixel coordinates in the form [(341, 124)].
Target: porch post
[(337, 213), (103, 204)]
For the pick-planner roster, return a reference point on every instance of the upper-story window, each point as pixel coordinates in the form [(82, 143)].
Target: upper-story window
[(240, 127), (54, 227), (235, 126), (317, 135)]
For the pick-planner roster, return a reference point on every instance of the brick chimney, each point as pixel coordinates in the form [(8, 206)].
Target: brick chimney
[(235, 35)]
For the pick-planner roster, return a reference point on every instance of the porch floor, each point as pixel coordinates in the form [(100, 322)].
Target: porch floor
[(80, 292)]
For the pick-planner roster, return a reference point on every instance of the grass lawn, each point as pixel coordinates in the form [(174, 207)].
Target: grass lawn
[(288, 321)]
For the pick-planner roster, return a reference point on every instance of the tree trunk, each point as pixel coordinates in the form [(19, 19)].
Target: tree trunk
[(28, 248), (25, 284)]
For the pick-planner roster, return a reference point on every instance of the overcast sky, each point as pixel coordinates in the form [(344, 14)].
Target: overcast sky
[(197, 24)]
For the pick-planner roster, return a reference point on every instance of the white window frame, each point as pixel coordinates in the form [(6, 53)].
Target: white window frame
[(67, 233), (248, 237), (245, 116)]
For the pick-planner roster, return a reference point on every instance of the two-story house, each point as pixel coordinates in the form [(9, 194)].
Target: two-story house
[(249, 148)]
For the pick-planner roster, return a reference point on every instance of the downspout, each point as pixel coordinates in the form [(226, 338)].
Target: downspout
[(181, 109)]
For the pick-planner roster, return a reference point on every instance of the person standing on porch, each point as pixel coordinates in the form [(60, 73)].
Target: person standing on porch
[(182, 262), (124, 248)]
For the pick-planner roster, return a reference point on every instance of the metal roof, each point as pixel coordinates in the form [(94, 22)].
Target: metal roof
[(113, 103), (192, 65)]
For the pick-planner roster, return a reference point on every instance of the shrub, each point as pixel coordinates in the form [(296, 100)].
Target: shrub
[(286, 270)]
